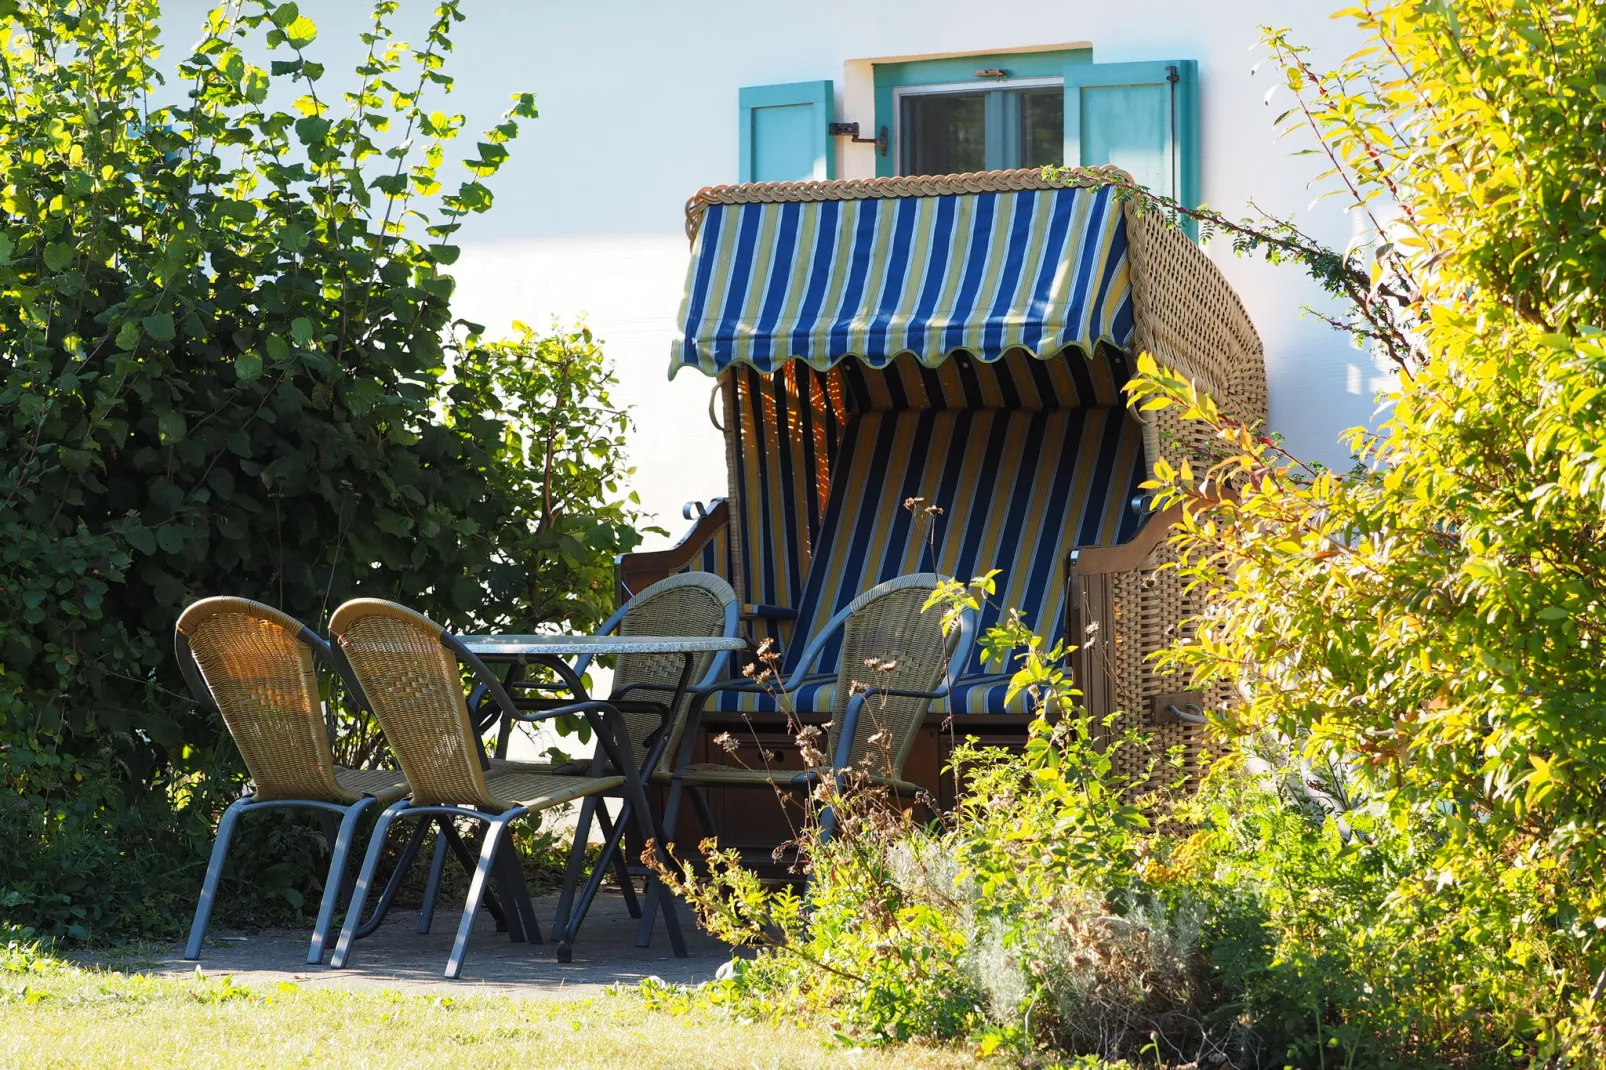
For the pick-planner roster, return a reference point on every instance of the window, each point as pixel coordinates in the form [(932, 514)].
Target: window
[(988, 112), (974, 113), (950, 129)]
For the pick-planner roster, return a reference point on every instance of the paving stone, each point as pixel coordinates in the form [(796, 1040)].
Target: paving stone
[(395, 957)]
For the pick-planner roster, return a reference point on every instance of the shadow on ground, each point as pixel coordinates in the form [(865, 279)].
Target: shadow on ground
[(395, 957)]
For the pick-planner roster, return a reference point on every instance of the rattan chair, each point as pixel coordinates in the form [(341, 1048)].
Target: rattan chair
[(258, 668), (895, 660), (688, 604), (407, 667)]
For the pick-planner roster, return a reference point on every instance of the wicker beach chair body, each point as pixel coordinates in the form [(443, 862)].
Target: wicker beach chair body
[(408, 668), (895, 662), (258, 668), (834, 418)]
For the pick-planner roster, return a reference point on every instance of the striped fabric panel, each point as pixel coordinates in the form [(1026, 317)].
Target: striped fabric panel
[(715, 555), (1016, 490), (788, 430), (980, 272), (1018, 381)]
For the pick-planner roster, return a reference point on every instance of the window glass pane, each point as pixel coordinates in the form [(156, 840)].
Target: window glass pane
[(942, 133), (1042, 127)]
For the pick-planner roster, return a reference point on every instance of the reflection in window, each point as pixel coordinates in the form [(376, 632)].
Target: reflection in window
[(944, 133), (1042, 127)]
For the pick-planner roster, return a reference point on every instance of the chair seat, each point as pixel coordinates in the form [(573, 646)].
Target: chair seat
[(981, 693), (508, 765), (735, 776), (385, 785), (539, 791)]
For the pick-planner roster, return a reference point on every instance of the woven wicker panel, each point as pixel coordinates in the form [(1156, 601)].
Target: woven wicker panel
[(538, 791), (1150, 611), (265, 683), (1190, 319), (853, 189), (385, 785), (888, 642), (692, 603), (412, 683)]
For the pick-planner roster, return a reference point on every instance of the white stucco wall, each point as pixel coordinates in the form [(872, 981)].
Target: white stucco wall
[(638, 110)]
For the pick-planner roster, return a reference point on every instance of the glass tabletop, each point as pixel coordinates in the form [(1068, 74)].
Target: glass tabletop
[(567, 645)]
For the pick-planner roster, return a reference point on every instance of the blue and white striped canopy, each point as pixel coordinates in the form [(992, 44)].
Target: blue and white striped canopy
[(875, 278)]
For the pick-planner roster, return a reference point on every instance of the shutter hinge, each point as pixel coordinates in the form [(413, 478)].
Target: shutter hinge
[(851, 131), (1171, 74)]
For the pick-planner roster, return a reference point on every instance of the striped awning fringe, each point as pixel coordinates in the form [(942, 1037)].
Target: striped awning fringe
[(874, 278)]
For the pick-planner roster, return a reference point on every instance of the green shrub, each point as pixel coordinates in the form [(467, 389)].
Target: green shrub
[(1409, 871), (225, 331)]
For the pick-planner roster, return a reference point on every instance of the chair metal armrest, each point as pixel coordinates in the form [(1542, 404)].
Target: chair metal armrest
[(762, 611), (850, 728), (615, 741), (850, 717)]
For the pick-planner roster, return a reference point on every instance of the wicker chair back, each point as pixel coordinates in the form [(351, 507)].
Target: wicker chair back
[(690, 604), (414, 687), (889, 643), (262, 676)]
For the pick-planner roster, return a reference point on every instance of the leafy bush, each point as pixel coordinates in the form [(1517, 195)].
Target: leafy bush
[(1435, 615), (225, 331), (1403, 864)]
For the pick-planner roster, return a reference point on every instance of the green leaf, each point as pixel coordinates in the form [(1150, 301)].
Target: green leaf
[(159, 326), (293, 238), (248, 365), (285, 14), (128, 337), (444, 254), (278, 349), (170, 426), (312, 130), (58, 255), (301, 33), (255, 85), (170, 537), (301, 330)]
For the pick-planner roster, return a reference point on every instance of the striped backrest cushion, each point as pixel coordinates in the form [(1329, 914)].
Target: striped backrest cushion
[(1017, 490)]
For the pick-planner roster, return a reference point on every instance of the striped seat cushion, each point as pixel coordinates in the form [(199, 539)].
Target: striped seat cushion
[(1016, 490)]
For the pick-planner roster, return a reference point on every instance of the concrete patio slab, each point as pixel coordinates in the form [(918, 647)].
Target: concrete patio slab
[(397, 958)]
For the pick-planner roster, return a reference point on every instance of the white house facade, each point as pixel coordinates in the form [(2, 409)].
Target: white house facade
[(644, 103)]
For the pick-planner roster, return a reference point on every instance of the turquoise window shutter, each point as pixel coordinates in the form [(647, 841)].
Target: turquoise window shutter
[(1141, 117), (785, 132)]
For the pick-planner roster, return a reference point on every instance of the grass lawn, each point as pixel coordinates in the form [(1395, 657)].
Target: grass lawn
[(56, 1015)]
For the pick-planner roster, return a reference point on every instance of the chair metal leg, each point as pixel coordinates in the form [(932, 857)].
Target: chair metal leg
[(466, 857), (621, 866), (359, 894), (502, 879), (393, 885), (476, 892), (510, 878), (214, 873), (335, 881), (705, 814), (426, 913), (655, 891), (610, 849), (571, 871), (644, 823)]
